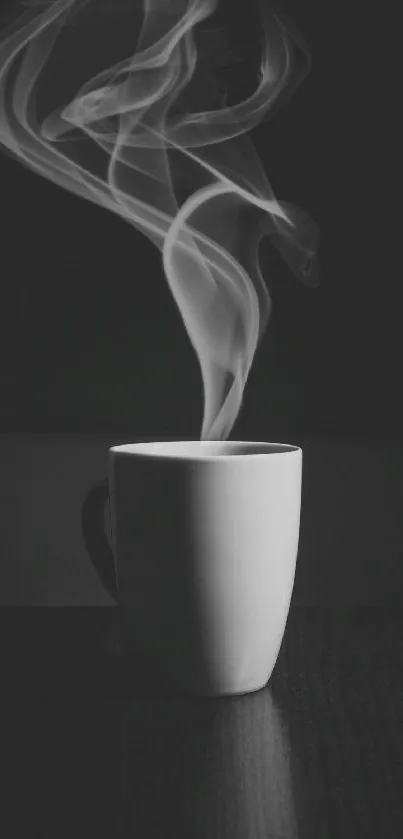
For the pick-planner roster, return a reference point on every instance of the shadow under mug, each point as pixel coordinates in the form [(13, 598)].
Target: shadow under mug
[(204, 547)]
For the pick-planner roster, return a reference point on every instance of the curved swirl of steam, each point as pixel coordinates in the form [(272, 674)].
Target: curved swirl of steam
[(210, 243)]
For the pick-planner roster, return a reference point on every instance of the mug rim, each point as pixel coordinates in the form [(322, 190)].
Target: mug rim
[(192, 449)]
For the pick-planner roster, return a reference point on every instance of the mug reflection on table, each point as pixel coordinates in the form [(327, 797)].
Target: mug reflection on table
[(220, 770)]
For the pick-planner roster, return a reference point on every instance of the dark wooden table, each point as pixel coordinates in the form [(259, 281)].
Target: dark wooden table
[(94, 746)]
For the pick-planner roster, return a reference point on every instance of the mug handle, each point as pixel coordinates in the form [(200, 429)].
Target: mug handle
[(93, 530)]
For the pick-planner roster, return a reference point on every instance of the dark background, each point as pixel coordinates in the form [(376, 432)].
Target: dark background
[(92, 339), (92, 342)]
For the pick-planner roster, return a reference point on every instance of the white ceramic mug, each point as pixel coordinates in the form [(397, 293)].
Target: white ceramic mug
[(205, 540)]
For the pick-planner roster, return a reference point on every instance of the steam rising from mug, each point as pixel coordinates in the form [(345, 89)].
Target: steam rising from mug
[(142, 113)]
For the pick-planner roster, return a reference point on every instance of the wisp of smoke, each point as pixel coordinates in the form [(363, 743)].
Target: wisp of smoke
[(142, 113)]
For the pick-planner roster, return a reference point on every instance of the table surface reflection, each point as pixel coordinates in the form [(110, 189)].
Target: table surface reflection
[(97, 747)]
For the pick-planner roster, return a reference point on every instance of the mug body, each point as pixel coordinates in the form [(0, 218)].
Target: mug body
[(205, 537)]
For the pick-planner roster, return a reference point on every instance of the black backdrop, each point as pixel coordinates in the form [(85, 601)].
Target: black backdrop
[(91, 337)]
